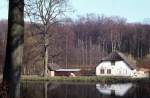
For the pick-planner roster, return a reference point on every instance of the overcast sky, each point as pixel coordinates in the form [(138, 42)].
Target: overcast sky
[(132, 10)]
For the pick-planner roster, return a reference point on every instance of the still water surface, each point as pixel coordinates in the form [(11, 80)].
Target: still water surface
[(82, 90)]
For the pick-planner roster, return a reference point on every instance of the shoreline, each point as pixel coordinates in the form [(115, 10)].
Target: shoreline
[(87, 79)]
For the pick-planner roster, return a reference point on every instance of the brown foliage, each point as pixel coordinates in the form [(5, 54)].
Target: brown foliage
[(84, 42)]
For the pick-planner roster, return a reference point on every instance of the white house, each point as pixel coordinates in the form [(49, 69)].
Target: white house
[(115, 64)]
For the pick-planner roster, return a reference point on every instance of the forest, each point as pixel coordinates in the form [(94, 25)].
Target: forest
[(82, 42)]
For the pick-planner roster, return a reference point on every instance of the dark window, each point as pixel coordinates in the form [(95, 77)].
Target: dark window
[(102, 71), (108, 71), (113, 63)]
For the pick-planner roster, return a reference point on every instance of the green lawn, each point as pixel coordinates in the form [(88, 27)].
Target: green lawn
[(93, 79)]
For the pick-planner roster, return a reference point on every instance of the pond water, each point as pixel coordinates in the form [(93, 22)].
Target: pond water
[(82, 90)]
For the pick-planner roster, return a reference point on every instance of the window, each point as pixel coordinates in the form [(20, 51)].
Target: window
[(113, 63), (108, 71), (102, 71)]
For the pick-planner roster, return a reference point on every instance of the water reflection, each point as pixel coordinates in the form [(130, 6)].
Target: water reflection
[(114, 89), (81, 90)]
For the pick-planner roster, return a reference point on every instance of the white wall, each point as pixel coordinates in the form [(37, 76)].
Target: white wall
[(119, 69), (51, 73)]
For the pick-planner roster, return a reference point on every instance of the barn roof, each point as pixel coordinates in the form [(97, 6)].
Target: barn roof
[(53, 66), (118, 56), (72, 70)]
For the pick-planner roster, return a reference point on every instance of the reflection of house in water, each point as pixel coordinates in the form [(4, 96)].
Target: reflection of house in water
[(114, 89)]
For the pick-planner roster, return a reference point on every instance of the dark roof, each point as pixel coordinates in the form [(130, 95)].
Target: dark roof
[(112, 57), (118, 56), (53, 66)]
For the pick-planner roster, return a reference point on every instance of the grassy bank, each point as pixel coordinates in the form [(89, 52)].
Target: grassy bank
[(92, 79)]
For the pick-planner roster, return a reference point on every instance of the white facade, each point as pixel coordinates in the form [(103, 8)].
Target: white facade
[(114, 68)]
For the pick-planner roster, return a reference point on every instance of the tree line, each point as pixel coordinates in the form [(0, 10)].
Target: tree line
[(83, 42)]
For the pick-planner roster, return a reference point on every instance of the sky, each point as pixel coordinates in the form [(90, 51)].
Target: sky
[(3, 9), (132, 10)]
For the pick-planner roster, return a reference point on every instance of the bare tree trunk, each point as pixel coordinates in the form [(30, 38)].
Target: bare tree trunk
[(45, 61), (86, 53), (90, 52), (83, 58), (66, 56), (14, 47)]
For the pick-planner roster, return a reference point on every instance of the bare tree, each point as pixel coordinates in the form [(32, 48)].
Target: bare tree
[(43, 14)]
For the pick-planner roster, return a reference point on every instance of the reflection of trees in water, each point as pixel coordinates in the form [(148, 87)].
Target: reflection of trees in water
[(74, 91), (37, 90), (71, 90), (32, 90), (142, 91)]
